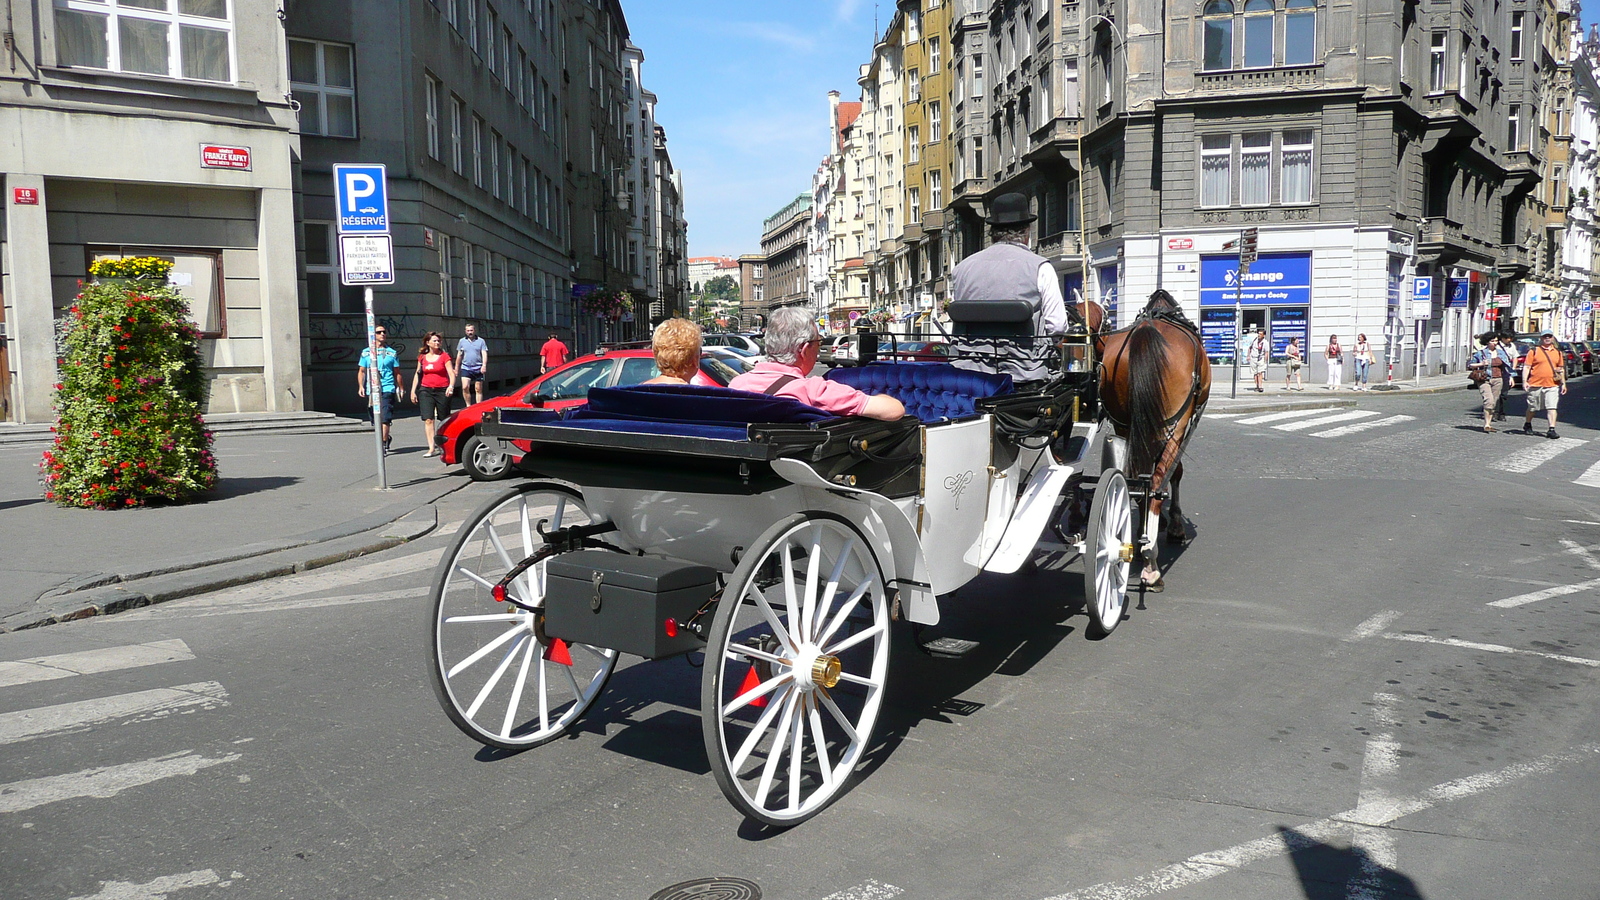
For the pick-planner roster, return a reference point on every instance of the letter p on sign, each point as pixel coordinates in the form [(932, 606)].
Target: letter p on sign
[(362, 195)]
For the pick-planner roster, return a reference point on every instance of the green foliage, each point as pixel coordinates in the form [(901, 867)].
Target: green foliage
[(128, 424), (722, 287)]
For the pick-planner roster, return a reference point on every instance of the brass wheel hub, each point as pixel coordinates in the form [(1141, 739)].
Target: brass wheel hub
[(1127, 553), (825, 671)]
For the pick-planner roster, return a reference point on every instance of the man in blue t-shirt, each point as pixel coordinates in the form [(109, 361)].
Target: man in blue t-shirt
[(472, 361), (388, 384)]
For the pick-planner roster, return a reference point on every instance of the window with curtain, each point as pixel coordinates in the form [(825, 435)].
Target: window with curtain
[(1216, 169), (1300, 33), (1297, 166), (322, 76), (1255, 169), (1218, 23), (1258, 34), (1436, 61), (175, 38)]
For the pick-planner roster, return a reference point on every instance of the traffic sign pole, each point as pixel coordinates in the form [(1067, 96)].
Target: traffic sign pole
[(366, 258), (375, 391)]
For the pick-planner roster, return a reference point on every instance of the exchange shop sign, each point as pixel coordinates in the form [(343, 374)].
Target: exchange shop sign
[(1275, 279)]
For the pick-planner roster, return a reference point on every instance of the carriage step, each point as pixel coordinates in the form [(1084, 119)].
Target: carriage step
[(947, 647)]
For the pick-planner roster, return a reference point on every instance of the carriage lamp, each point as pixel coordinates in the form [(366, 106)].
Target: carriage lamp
[(1077, 352)]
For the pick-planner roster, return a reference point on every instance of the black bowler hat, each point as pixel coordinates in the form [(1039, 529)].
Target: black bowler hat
[(1010, 209)]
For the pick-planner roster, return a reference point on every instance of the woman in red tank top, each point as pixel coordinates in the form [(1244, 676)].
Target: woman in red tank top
[(433, 384)]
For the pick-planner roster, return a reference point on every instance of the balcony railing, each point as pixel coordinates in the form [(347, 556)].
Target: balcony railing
[(1259, 79), (1449, 104), (1060, 244)]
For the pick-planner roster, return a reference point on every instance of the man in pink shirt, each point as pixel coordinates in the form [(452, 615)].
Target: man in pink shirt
[(792, 346)]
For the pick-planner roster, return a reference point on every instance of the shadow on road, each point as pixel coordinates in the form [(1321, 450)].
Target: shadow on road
[(228, 488), (1333, 873)]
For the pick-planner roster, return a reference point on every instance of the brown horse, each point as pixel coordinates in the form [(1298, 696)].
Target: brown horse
[(1155, 380)]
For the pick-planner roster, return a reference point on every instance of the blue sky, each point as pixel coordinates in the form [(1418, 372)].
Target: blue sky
[(743, 91)]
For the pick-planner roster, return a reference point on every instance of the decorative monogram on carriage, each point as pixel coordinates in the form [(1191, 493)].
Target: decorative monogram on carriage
[(958, 484)]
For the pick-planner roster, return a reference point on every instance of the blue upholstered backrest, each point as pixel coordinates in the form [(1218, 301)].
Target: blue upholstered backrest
[(931, 391), (695, 403)]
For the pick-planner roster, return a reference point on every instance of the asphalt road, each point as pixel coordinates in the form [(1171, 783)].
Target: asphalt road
[(1326, 703)]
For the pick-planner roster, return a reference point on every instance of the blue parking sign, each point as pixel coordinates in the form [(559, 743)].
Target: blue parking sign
[(1422, 289), (362, 194)]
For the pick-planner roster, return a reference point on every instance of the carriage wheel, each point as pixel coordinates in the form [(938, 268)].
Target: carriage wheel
[(500, 679), (795, 668), (1109, 553)]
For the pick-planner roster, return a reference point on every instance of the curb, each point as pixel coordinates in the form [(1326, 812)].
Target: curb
[(1266, 406), (176, 584)]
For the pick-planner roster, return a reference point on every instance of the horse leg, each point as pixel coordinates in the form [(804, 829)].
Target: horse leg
[(1176, 534), (1149, 554)]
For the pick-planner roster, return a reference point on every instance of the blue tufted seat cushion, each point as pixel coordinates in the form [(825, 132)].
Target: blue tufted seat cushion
[(686, 410), (931, 391)]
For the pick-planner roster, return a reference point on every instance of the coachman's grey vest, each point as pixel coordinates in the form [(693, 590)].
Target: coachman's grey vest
[(1006, 271)]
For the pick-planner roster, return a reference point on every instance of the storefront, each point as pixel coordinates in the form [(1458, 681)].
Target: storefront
[(1275, 296)]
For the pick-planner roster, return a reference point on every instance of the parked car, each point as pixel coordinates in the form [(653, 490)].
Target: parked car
[(1574, 363), (918, 351), (839, 351), (1588, 351), (564, 387), (740, 342)]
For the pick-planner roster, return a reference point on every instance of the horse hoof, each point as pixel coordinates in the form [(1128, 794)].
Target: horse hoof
[(1178, 540), (1156, 587)]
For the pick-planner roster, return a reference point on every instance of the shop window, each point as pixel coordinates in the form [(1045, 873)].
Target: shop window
[(322, 76), (188, 39), (197, 275)]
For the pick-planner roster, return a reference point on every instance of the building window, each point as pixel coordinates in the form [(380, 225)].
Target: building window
[(494, 163), (446, 302), (477, 151), (913, 84), (1218, 35), (1255, 169), (1258, 33), (1297, 166), (434, 91), (471, 24), (1216, 169), (322, 76), (935, 190), (913, 143), (935, 123), (977, 75), (1514, 128), (914, 204), (143, 37), (1300, 33), (522, 195), (934, 57), (1516, 35), (324, 293), (1436, 61), (457, 113)]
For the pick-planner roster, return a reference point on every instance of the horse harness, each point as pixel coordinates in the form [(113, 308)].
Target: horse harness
[(1172, 316)]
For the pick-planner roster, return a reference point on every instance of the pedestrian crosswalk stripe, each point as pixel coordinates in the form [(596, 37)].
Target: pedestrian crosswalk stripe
[(1325, 420), (47, 721), (1492, 648), (1590, 476), (156, 888), (1343, 430), (87, 662), (1532, 458), (1217, 415), (1545, 594), (1276, 417), (107, 781)]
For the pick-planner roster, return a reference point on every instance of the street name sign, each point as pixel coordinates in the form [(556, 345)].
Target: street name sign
[(366, 259), (361, 192)]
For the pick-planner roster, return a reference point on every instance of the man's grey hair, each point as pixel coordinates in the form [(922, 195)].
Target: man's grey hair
[(1014, 233), (788, 330)]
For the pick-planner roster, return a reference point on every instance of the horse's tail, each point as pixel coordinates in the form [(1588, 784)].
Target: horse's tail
[(1147, 397)]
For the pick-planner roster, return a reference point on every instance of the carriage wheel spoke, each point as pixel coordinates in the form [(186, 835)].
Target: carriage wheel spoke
[(759, 729), (486, 617), (577, 692), (857, 638), (544, 698), (494, 680), (839, 717), (809, 601), (843, 612), (770, 768), (516, 691), (485, 650), (499, 546), (857, 679), (592, 651), (778, 631), (832, 587), (797, 615), (797, 746), (821, 742), (737, 650), (755, 693)]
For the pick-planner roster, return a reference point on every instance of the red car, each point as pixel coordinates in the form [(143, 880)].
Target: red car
[(566, 386)]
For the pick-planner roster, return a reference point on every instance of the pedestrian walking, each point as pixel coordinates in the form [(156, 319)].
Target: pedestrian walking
[(1295, 360), (1488, 372), (552, 355), (432, 385), (472, 364), (1544, 380), (1335, 362), (1255, 356), (1506, 350), (388, 383), (1364, 361)]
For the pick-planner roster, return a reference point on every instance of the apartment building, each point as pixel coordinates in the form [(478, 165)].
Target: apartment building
[(922, 261), (1579, 287), (669, 254), (882, 109), (785, 248), (135, 129), (848, 274)]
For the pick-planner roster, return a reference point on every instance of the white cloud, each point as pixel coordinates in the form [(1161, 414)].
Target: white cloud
[(773, 33), (845, 10)]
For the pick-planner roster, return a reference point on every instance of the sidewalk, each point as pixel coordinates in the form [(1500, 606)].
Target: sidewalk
[(290, 500), (1315, 396)]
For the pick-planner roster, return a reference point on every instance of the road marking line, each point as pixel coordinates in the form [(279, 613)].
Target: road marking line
[(1379, 763), (272, 606), (155, 889), (867, 890), (107, 781), (1492, 648), (1325, 420), (1362, 426), (1217, 415), (1576, 521), (1373, 625), (1589, 478), (1546, 594), (1275, 417), (47, 721), (89, 662), (1524, 461), (1205, 866), (317, 581), (1582, 552)]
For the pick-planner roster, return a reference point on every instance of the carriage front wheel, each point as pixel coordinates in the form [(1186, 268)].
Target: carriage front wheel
[(500, 679), (795, 667), (1108, 552)]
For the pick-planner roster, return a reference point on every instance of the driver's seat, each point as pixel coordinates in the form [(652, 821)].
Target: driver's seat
[(991, 318)]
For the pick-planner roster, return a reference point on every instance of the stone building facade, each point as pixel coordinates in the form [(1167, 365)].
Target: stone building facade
[(180, 146), (785, 248)]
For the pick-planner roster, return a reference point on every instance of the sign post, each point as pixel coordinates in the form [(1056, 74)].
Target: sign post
[(366, 258), (1246, 245)]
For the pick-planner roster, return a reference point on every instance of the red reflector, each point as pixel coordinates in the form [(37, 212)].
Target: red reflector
[(671, 626), (751, 682), (499, 593), (557, 652)]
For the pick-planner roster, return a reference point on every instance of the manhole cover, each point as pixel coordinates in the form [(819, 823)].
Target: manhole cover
[(710, 889)]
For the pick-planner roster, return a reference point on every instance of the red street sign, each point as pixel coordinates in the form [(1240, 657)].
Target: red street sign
[(1492, 313), (217, 156), (25, 196), (1180, 244)]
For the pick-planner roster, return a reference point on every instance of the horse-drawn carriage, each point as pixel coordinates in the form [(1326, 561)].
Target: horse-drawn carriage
[(665, 520)]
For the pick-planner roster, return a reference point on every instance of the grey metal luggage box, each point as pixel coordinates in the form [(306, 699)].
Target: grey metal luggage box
[(622, 602)]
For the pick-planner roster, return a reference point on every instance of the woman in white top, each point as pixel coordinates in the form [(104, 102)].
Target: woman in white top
[(1363, 363)]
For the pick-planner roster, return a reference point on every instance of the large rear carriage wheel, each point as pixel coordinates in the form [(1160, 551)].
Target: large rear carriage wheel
[(500, 679), (1108, 552), (796, 663)]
